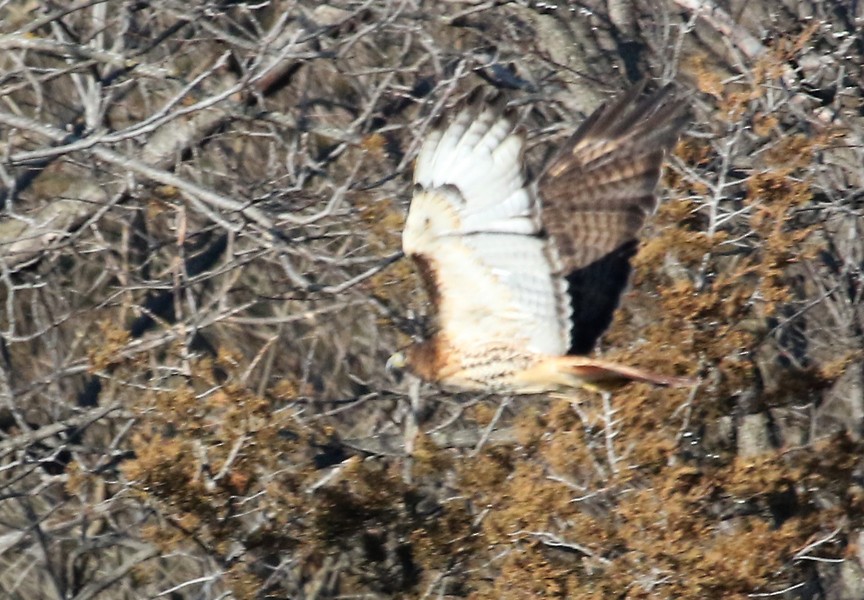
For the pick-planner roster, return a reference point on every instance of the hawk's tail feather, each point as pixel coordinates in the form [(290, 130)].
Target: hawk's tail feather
[(581, 371)]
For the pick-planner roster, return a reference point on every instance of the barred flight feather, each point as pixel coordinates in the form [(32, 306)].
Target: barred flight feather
[(522, 275)]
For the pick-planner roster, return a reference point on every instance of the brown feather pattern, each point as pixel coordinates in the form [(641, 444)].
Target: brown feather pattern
[(595, 197), (430, 280), (591, 202), (600, 188)]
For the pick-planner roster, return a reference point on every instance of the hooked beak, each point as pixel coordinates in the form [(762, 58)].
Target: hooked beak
[(396, 366)]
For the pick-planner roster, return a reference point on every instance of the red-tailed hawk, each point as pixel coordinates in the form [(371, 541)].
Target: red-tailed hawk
[(524, 277)]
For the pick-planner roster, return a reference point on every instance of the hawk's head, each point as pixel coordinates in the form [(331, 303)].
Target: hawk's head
[(421, 359)]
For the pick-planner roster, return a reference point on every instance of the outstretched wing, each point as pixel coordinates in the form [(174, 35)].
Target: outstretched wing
[(473, 229), (596, 196)]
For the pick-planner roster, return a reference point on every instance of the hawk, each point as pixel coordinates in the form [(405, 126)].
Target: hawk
[(524, 277)]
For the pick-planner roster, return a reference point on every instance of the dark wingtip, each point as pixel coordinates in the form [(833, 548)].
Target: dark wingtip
[(652, 120), (645, 113), (478, 100), (510, 115), (497, 102), (437, 122), (475, 97)]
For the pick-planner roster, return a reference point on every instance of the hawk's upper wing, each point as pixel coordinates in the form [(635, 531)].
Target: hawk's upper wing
[(596, 196), (473, 230)]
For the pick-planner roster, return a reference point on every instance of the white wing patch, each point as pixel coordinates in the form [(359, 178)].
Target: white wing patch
[(476, 223)]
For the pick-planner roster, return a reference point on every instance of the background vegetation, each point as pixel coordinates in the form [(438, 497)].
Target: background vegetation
[(201, 210)]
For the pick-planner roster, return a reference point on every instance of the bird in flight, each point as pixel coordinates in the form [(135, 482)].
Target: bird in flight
[(524, 277)]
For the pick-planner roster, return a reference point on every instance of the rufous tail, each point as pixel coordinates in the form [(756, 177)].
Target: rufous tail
[(604, 375)]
